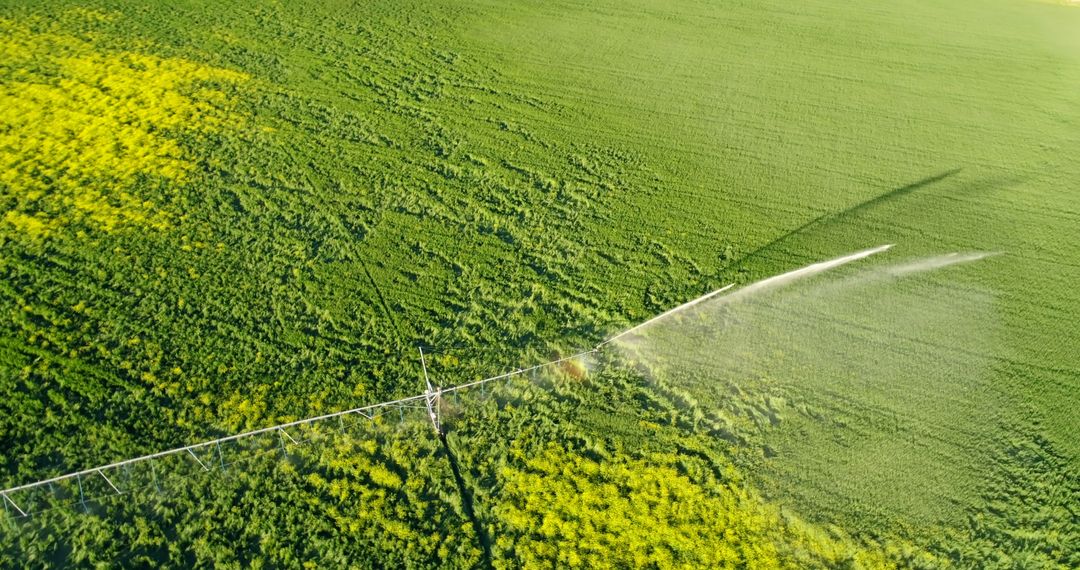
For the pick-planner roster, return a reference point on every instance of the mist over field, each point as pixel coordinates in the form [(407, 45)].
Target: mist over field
[(861, 382)]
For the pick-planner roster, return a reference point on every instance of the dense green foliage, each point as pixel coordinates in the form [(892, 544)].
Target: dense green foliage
[(221, 215), (380, 495)]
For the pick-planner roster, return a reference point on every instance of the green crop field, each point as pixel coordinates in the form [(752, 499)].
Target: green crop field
[(217, 216)]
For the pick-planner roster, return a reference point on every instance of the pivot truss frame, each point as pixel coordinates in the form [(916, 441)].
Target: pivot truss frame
[(430, 401)]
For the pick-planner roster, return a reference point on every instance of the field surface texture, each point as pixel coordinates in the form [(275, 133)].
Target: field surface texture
[(221, 216)]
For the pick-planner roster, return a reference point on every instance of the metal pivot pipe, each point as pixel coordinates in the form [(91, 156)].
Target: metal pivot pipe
[(8, 500), (153, 475), (82, 496), (109, 481), (431, 397)]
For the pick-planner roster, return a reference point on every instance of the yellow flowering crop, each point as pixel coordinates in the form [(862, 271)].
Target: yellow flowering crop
[(79, 126)]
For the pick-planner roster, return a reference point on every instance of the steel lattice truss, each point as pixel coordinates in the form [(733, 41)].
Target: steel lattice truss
[(429, 401)]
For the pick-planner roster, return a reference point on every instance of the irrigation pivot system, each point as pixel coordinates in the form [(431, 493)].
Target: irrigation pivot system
[(430, 401)]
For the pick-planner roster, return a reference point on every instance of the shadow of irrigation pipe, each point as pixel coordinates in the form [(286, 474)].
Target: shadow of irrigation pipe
[(846, 212), (467, 503)]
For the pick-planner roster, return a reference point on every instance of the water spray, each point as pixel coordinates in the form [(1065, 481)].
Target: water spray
[(704, 297), (938, 262), (763, 284), (812, 269)]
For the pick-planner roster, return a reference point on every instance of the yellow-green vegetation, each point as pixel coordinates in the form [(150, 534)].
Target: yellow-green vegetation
[(80, 126), (222, 215), (381, 492), (573, 511), (633, 483)]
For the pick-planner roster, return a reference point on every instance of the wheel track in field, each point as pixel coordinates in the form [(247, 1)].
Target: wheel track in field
[(467, 504), (382, 300)]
